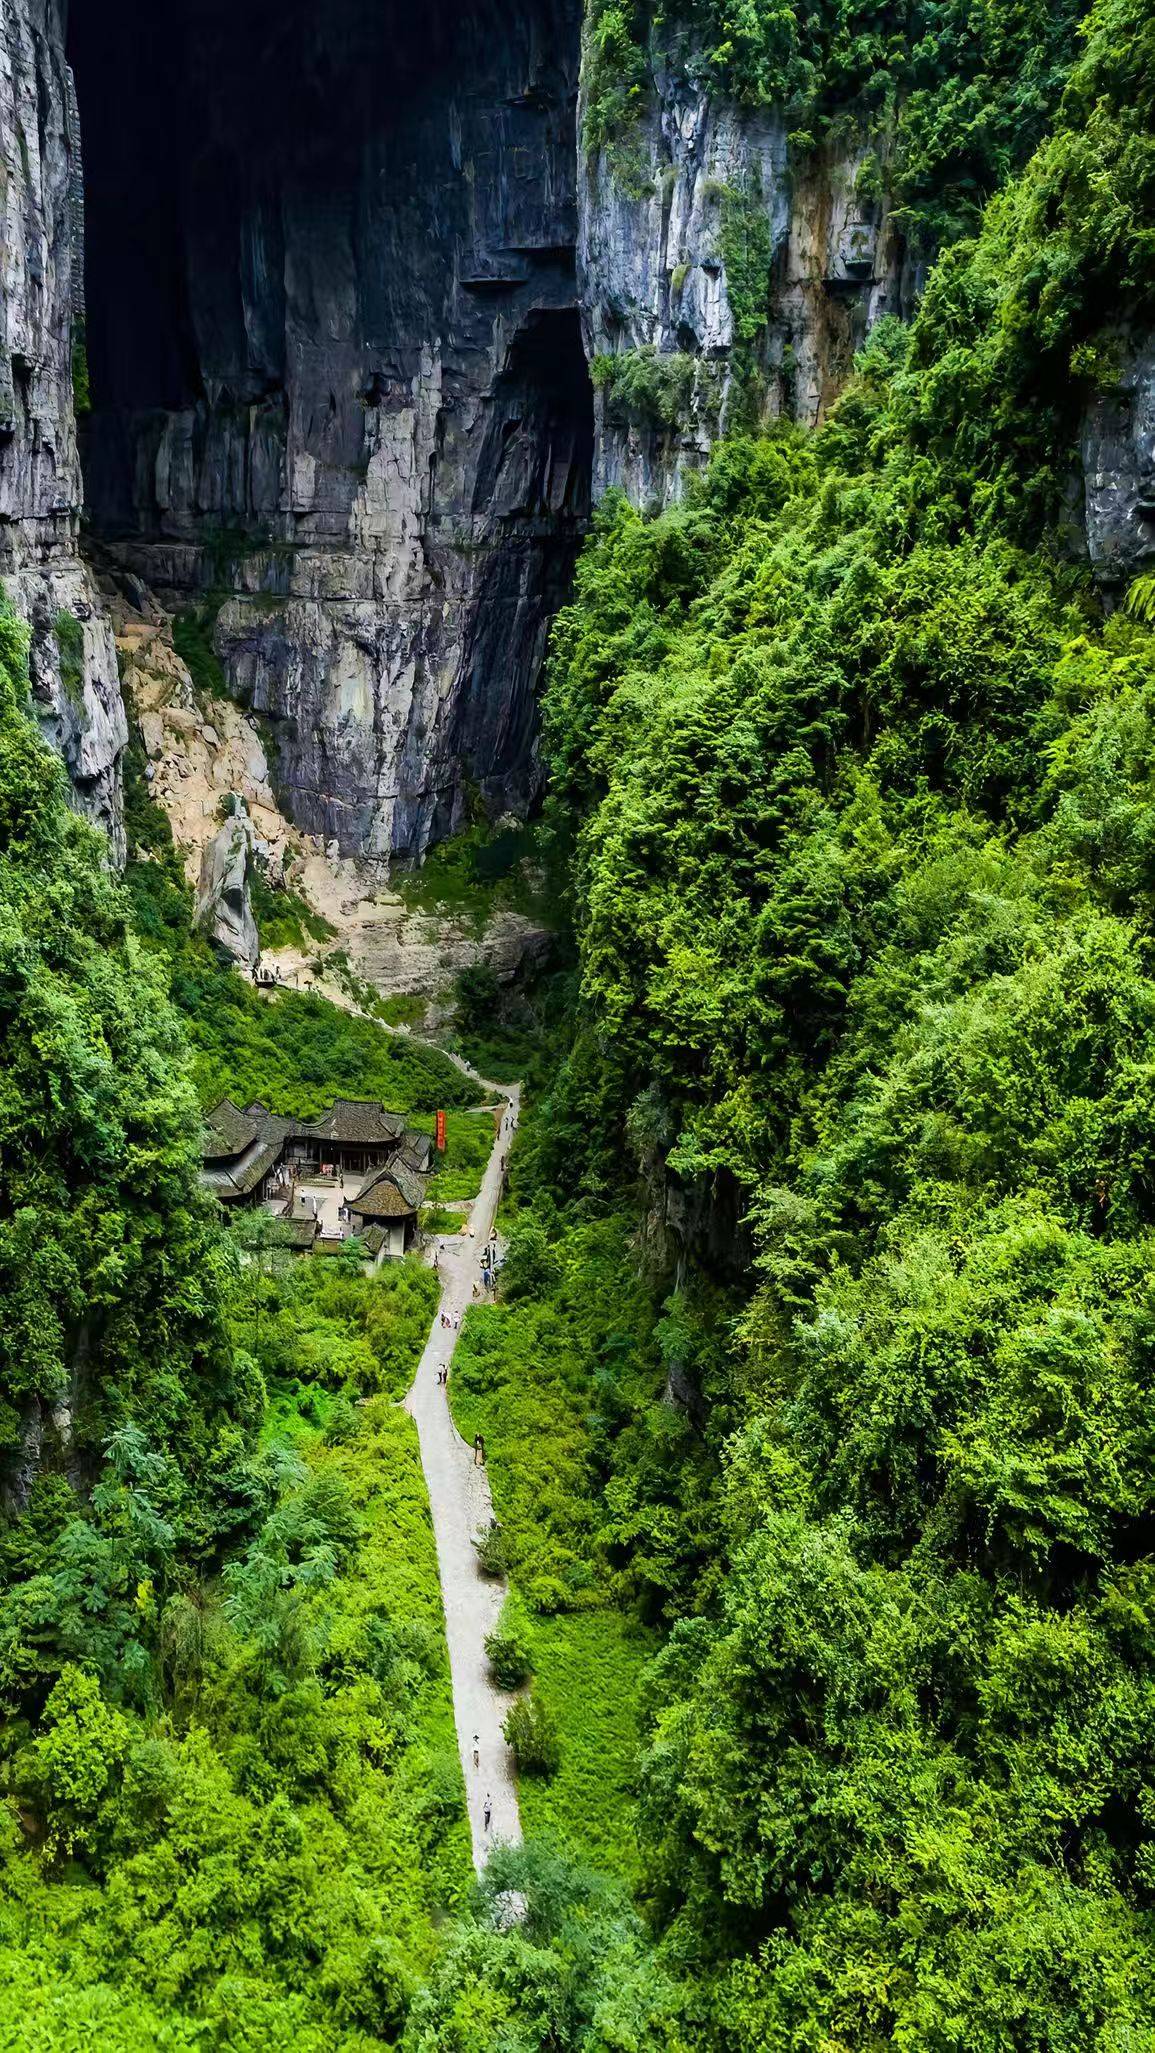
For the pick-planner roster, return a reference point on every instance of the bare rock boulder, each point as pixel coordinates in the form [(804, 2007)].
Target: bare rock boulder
[(224, 901)]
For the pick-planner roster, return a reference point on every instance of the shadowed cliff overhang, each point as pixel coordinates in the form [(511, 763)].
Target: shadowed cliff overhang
[(336, 371), (289, 208)]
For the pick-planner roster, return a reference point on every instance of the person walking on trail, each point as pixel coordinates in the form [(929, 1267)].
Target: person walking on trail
[(476, 1751), (479, 1452), (488, 1812)]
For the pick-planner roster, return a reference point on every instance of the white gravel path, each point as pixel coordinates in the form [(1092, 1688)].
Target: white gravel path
[(460, 1503)]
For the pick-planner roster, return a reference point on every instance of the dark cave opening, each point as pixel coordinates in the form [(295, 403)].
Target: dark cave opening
[(537, 459), (331, 303), (535, 478), (282, 212)]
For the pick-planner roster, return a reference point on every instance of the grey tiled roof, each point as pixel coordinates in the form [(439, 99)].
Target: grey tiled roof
[(228, 1131), (357, 1120), (417, 1151), (383, 1200), (300, 1233), (239, 1178), (409, 1186)]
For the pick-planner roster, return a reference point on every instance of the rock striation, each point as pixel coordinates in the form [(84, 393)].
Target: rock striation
[(72, 658), (224, 906), (723, 250), (341, 396), (1118, 455), (202, 755), (346, 270)]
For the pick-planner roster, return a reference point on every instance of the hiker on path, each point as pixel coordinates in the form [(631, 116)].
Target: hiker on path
[(476, 1751), (479, 1451), (488, 1813)]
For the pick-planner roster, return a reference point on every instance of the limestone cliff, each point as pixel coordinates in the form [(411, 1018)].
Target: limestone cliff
[(341, 266), (340, 391), (1118, 462), (205, 757), (72, 658), (224, 904), (748, 269)]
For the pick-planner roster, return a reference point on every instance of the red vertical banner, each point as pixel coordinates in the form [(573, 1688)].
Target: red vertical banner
[(441, 1133)]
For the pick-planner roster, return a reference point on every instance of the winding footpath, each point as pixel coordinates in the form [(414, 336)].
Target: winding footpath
[(460, 1503)]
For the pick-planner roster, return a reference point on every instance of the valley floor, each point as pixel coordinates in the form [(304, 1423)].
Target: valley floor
[(460, 1505)]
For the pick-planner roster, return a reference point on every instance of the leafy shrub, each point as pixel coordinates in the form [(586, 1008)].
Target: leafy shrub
[(284, 918), (747, 253), (510, 1645), (646, 387), (436, 1219), (531, 1730), (476, 994), (193, 639), (489, 1546), (70, 643), (531, 1267)]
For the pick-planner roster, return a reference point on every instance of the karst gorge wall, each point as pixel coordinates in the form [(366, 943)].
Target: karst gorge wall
[(339, 387), (346, 274), (72, 657)]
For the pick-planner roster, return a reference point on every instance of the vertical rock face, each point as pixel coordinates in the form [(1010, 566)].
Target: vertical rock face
[(717, 242), (1119, 468), (339, 385), (72, 657), (224, 903)]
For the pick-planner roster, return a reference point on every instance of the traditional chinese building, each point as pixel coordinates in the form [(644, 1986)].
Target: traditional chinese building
[(252, 1156)]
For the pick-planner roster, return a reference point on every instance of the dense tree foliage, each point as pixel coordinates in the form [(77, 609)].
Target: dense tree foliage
[(111, 1308), (822, 1383), (954, 96), (856, 779), (233, 1805)]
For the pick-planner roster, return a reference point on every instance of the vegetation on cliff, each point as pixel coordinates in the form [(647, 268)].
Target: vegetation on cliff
[(819, 1401), (295, 1053), (233, 1811), (855, 779), (954, 97)]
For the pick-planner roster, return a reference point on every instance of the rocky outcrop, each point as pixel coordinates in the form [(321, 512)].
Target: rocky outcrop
[(1119, 468), (750, 271), (224, 907), (72, 659), (341, 387), (204, 753)]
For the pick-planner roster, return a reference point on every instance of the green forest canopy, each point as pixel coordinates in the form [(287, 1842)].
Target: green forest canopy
[(853, 779), (856, 784)]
